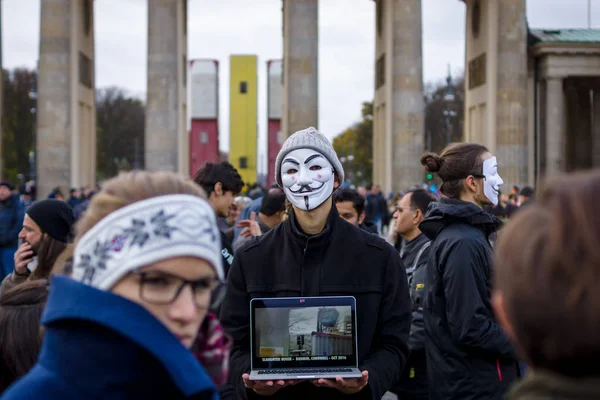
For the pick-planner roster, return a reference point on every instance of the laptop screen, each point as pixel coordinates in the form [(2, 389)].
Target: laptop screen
[(303, 332)]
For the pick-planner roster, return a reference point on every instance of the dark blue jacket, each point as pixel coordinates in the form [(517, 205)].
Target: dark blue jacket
[(98, 345), (12, 213)]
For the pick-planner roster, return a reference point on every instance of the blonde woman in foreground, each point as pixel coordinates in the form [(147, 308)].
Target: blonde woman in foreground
[(146, 265)]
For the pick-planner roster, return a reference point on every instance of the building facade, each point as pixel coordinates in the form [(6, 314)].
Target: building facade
[(204, 110), (243, 117)]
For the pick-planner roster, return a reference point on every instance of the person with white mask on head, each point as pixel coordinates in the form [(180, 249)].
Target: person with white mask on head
[(469, 356), (317, 253), (492, 180), (132, 320)]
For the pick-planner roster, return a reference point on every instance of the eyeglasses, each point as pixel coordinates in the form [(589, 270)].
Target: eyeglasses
[(162, 289)]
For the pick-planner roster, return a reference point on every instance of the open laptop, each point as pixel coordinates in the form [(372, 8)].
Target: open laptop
[(303, 338)]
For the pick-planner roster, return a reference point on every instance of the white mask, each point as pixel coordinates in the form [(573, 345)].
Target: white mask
[(492, 182), (307, 178)]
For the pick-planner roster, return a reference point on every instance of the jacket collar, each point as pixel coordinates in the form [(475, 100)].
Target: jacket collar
[(540, 385), (122, 337), (292, 226), (418, 241), (415, 244), (449, 211)]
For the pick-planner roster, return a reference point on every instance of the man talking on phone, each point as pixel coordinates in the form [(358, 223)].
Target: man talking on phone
[(46, 231)]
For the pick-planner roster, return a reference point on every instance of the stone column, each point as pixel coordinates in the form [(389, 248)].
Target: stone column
[(578, 140), (382, 99), (511, 95), (408, 109), (596, 131), (66, 131), (555, 143), (165, 137), (300, 65)]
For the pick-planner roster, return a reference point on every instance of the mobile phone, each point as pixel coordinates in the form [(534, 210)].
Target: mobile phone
[(32, 264)]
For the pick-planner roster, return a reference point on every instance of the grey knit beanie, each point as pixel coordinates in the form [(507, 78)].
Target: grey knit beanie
[(309, 138)]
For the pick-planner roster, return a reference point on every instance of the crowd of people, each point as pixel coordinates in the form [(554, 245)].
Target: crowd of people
[(141, 289)]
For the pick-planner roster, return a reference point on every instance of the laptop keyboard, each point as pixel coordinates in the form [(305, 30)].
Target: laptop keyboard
[(303, 371)]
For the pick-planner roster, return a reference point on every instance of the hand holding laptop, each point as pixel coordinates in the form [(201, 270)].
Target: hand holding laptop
[(266, 388), (346, 386)]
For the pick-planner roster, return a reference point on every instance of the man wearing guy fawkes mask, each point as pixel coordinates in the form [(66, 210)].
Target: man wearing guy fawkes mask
[(317, 253)]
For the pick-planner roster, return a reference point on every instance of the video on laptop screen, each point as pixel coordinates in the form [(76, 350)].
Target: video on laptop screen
[(307, 335)]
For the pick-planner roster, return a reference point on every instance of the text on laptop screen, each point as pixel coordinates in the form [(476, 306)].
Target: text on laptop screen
[(304, 336)]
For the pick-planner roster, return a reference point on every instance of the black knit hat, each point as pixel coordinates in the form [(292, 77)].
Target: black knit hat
[(54, 217), (8, 184)]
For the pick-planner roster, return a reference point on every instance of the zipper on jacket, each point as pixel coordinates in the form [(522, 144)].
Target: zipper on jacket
[(499, 370), (302, 268)]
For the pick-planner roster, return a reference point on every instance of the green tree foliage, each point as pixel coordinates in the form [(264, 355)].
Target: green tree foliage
[(120, 127), (357, 141), (120, 132), (17, 122)]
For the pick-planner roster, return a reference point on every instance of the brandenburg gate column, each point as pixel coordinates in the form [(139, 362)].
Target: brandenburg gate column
[(399, 110), (300, 100), (66, 111), (596, 131), (496, 84), (555, 125), (166, 144)]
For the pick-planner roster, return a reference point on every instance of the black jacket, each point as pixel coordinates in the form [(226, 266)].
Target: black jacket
[(369, 227), (468, 354), (226, 253), (417, 275), (341, 260)]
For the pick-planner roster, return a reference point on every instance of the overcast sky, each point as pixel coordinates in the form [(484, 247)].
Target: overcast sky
[(218, 29)]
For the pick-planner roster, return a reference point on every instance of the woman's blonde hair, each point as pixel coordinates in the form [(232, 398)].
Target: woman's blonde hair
[(130, 187)]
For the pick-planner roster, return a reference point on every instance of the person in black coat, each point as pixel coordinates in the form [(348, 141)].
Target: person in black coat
[(468, 354), (409, 213), (317, 253)]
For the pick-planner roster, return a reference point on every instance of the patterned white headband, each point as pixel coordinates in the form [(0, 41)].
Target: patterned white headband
[(146, 232)]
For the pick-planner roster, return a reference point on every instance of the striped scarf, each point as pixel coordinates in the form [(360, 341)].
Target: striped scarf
[(212, 348)]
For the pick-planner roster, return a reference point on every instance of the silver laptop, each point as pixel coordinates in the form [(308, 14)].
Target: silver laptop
[(303, 338)]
